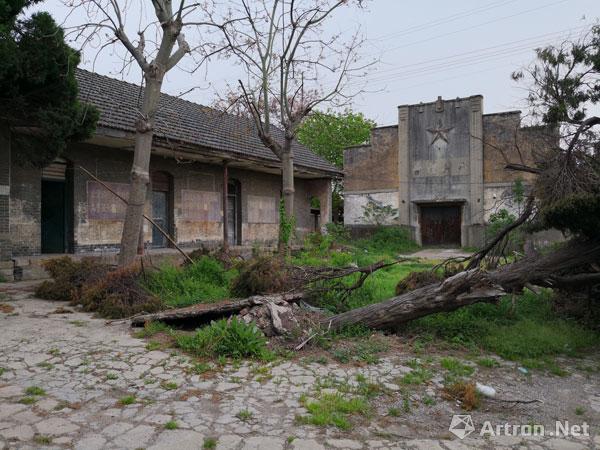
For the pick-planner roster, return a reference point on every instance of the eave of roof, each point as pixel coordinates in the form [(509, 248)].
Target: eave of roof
[(184, 122)]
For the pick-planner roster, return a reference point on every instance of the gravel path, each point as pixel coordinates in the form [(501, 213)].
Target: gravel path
[(89, 371)]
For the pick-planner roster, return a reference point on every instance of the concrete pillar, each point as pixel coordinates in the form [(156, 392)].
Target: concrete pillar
[(225, 193), (403, 167), (475, 215), (326, 204)]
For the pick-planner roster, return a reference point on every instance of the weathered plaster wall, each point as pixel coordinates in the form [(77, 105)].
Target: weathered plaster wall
[(196, 202), (354, 205)]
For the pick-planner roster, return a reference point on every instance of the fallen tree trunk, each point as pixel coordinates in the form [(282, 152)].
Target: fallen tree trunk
[(561, 267), (205, 312)]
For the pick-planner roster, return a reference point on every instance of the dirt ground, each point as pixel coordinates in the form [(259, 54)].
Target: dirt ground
[(69, 380)]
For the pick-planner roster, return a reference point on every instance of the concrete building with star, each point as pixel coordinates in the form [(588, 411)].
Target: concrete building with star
[(441, 170)]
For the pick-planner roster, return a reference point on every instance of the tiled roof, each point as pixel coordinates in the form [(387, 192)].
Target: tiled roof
[(184, 121)]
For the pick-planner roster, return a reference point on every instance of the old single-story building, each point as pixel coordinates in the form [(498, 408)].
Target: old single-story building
[(441, 170), (197, 151)]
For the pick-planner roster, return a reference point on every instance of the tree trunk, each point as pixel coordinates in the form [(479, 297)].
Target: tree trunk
[(562, 267), (140, 177), (287, 175)]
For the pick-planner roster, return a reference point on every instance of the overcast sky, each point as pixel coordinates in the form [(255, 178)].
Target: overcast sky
[(426, 48)]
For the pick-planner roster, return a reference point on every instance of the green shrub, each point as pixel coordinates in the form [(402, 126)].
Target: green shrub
[(500, 220), (578, 214), (234, 339), (389, 240), (204, 281)]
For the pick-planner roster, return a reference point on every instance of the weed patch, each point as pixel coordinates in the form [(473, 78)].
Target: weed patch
[(234, 339), (333, 410)]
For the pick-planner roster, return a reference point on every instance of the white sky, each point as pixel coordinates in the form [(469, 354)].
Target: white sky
[(427, 48)]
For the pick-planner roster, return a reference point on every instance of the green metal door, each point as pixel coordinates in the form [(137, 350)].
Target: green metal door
[(53, 216)]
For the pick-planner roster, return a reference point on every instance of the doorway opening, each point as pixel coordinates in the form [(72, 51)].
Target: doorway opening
[(162, 201), (57, 208), (234, 213), (441, 224)]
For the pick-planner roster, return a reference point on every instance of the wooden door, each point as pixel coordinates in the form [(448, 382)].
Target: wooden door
[(440, 225)]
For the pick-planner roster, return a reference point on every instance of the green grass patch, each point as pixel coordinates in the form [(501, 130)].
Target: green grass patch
[(35, 390), (171, 425), (29, 400), (205, 281), (333, 410), (456, 367), (127, 400), (152, 328), (234, 339), (418, 375), (153, 345), (530, 331), (169, 385), (244, 415), (209, 444), (488, 362), (2, 370)]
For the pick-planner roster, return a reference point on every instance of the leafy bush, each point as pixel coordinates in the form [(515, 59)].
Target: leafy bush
[(119, 294), (578, 214), (234, 338), (69, 277), (388, 240), (204, 281), (500, 220)]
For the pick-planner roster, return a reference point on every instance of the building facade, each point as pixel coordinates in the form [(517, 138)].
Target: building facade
[(440, 170), (209, 174)]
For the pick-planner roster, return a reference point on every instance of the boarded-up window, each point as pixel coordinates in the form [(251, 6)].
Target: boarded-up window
[(202, 206), (103, 204), (262, 209)]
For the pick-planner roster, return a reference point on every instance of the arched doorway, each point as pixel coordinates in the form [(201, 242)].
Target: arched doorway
[(234, 212), (162, 207)]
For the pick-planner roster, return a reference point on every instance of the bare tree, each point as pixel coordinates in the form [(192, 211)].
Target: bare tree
[(159, 47), (288, 59)]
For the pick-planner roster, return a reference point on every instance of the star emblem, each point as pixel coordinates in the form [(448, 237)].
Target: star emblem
[(461, 425), (439, 133)]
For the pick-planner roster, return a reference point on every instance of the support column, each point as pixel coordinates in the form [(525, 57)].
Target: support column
[(403, 167), (475, 214), (225, 193), (326, 203)]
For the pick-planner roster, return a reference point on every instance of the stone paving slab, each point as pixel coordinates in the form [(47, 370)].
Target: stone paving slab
[(86, 367)]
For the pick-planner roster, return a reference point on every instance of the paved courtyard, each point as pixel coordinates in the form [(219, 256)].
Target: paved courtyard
[(102, 389)]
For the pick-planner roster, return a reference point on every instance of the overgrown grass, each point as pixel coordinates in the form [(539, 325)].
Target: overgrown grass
[(205, 281), (529, 331)]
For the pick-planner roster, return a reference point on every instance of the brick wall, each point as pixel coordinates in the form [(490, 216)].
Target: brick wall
[(25, 208), (5, 246), (373, 167)]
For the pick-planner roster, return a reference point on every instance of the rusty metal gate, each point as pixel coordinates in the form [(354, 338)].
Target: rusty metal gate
[(440, 225)]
